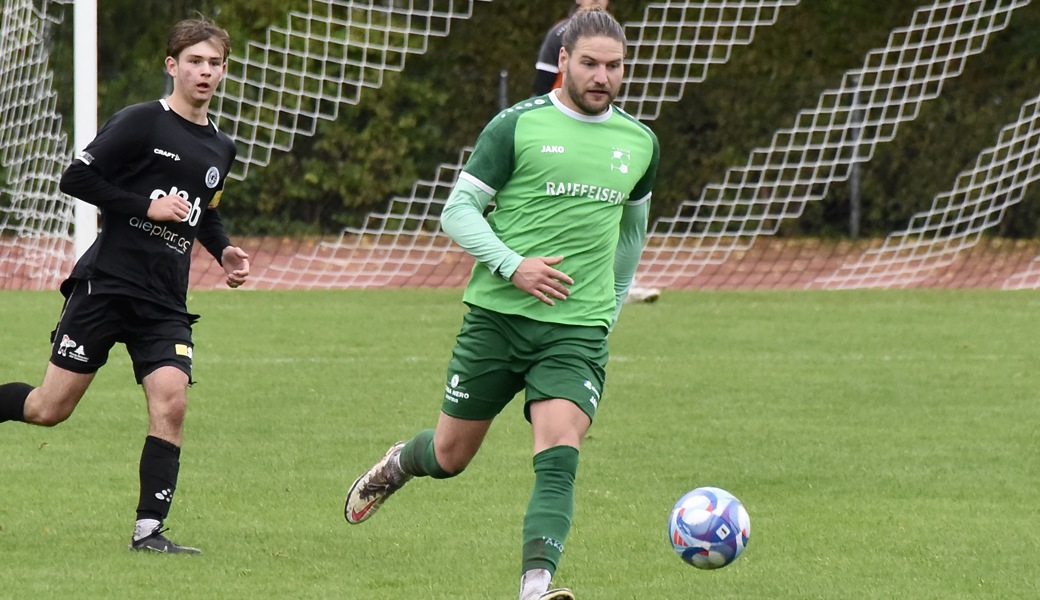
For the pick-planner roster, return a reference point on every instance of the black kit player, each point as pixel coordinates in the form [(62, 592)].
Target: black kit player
[(547, 75), (156, 171)]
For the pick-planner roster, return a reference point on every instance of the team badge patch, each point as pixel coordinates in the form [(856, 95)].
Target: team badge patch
[(212, 177), (620, 159)]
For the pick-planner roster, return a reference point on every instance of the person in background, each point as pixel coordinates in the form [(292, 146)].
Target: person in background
[(547, 77), (571, 176), (156, 171)]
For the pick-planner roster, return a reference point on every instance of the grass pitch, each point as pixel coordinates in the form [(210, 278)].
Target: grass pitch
[(884, 442)]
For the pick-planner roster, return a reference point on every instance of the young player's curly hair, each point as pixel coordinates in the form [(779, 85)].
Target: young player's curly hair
[(192, 31), (590, 22)]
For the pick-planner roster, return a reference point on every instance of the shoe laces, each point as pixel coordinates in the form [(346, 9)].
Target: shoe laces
[(155, 533), (384, 482)]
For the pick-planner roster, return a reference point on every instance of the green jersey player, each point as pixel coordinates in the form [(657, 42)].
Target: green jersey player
[(571, 177)]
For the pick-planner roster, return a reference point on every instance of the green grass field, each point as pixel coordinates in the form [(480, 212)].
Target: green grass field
[(885, 444)]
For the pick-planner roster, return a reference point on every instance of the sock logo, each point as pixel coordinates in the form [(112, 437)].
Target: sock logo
[(558, 545), (166, 495)]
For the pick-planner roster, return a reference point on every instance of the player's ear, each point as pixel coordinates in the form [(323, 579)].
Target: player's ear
[(171, 66)]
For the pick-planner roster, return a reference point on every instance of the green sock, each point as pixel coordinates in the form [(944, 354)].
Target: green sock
[(419, 459), (548, 518)]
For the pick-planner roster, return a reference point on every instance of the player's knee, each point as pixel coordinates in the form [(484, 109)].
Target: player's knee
[(170, 410), (453, 461), (48, 419), (453, 468)]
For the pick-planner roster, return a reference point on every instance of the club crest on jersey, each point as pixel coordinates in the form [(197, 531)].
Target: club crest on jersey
[(212, 177), (620, 159)]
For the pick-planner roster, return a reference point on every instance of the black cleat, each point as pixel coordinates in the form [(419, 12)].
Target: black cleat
[(157, 542)]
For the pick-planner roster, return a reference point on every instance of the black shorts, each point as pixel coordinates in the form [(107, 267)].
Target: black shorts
[(91, 324)]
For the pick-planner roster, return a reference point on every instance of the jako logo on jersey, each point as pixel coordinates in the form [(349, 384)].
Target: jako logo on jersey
[(167, 154), (553, 150)]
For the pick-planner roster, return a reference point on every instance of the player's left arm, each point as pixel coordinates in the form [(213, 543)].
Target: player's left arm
[(632, 237), (635, 217), (232, 259)]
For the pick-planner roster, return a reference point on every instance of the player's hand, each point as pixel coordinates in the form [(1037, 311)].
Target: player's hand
[(236, 265), (537, 277), (169, 208)]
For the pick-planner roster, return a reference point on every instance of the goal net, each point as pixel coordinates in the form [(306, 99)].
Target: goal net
[(35, 218), (825, 142), (323, 59), (957, 218), (673, 45), (320, 60)]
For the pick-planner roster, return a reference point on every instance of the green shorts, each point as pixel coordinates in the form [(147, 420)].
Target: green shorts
[(496, 355)]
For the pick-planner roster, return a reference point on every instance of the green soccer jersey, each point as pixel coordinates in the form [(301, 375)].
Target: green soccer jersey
[(560, 180)]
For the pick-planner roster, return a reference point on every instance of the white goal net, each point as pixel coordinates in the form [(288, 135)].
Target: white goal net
[(957, 218), (826, 141), (35, 218), (320, 61), (673, 45)]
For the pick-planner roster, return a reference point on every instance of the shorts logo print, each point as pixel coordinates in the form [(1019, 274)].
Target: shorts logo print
[(452, 393), (78, 353), (594, 399)]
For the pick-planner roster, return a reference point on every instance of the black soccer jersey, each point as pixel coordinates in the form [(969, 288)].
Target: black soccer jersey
[(144, 152)]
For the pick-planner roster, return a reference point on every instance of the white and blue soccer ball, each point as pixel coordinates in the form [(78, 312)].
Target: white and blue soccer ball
[(709, 528)]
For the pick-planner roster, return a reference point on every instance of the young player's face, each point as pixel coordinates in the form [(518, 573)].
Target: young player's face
[(197, 72), (592, 74)]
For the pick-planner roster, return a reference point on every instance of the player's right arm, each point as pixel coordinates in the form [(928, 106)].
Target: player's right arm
[(463, 220), (81, 180), (91, 174)]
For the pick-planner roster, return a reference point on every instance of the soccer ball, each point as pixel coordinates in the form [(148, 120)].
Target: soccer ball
[(709, 528)]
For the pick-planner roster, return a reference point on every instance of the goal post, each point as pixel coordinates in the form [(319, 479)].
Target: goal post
[(86, 107)]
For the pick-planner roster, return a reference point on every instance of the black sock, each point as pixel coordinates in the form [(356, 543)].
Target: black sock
[(160, 463), (12, 401)]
